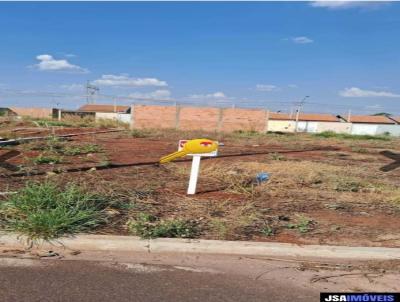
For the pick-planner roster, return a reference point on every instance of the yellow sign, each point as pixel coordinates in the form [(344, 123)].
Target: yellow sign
[(200, 146)]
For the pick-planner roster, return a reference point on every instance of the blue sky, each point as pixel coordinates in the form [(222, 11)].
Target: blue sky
[(260, 54)]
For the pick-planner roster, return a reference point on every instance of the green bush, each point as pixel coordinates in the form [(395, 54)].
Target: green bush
[(147, 226), (47, 211), (47, 159)]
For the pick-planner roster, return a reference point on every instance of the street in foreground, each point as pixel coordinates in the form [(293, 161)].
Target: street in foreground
[(155, 277)]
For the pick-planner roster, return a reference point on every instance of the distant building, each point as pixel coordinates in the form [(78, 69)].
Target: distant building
[(4, 111), (30, 112), (307, 122), (395, 118), (373, 125), (113, 112)]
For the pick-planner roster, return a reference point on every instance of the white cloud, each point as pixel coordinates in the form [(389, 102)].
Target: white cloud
[(336, 5), (293, 86), (49, 63), (72, 87), (355, 92), (215, 95), (302, 40), (158, 94), (267, 87), (376, 106), (125, 80)]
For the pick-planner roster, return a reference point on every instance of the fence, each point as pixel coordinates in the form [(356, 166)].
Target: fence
[(232, 119), (199, 118), (33, 112), (216, 119)]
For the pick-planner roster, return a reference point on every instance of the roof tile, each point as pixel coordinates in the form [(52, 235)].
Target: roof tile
[(396, 118), (304, 117), (370, 119)]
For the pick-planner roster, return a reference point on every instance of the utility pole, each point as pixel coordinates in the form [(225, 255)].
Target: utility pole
[(58, 111), (91, 91), (115, 105), (299, 107)]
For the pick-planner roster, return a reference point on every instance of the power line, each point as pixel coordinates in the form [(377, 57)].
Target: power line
[(68, 99), (299, 107), (91, 91)]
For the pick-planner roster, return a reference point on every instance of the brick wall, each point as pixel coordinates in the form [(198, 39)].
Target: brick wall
[(33, 112), (146, 116), (243, 119), (194, 118)]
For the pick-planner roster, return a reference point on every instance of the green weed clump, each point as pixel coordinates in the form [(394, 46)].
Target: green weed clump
[(148, 226), (277, 156), (139, 133), (303, 225), (67, 121), (110, 123), (47, 159), (247, 133), (45, 211), (353, 184), (267, 231), (51, 144), (52, 123), (359, 150), (331, 134), (78, 150)]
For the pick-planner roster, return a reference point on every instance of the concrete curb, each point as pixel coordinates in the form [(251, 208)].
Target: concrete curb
[(170, 245)]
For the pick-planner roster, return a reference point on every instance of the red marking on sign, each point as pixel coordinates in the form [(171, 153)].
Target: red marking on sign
[(182, 142), (205, 143)]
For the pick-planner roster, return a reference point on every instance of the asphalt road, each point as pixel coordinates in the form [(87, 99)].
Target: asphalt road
[(63, 280), (69, 275)]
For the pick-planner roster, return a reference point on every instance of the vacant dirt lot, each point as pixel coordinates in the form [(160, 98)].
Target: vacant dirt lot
[(321, 190)]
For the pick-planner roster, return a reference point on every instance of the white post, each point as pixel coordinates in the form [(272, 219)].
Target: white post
[(132, 116), (194, 174), (297, 119)]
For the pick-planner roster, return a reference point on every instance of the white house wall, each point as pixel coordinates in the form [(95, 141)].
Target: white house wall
[(106, 115), (281, 126), (337, 127), (364, 129), (311, 127), (393, 130), (304, 126), (122, 117)]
